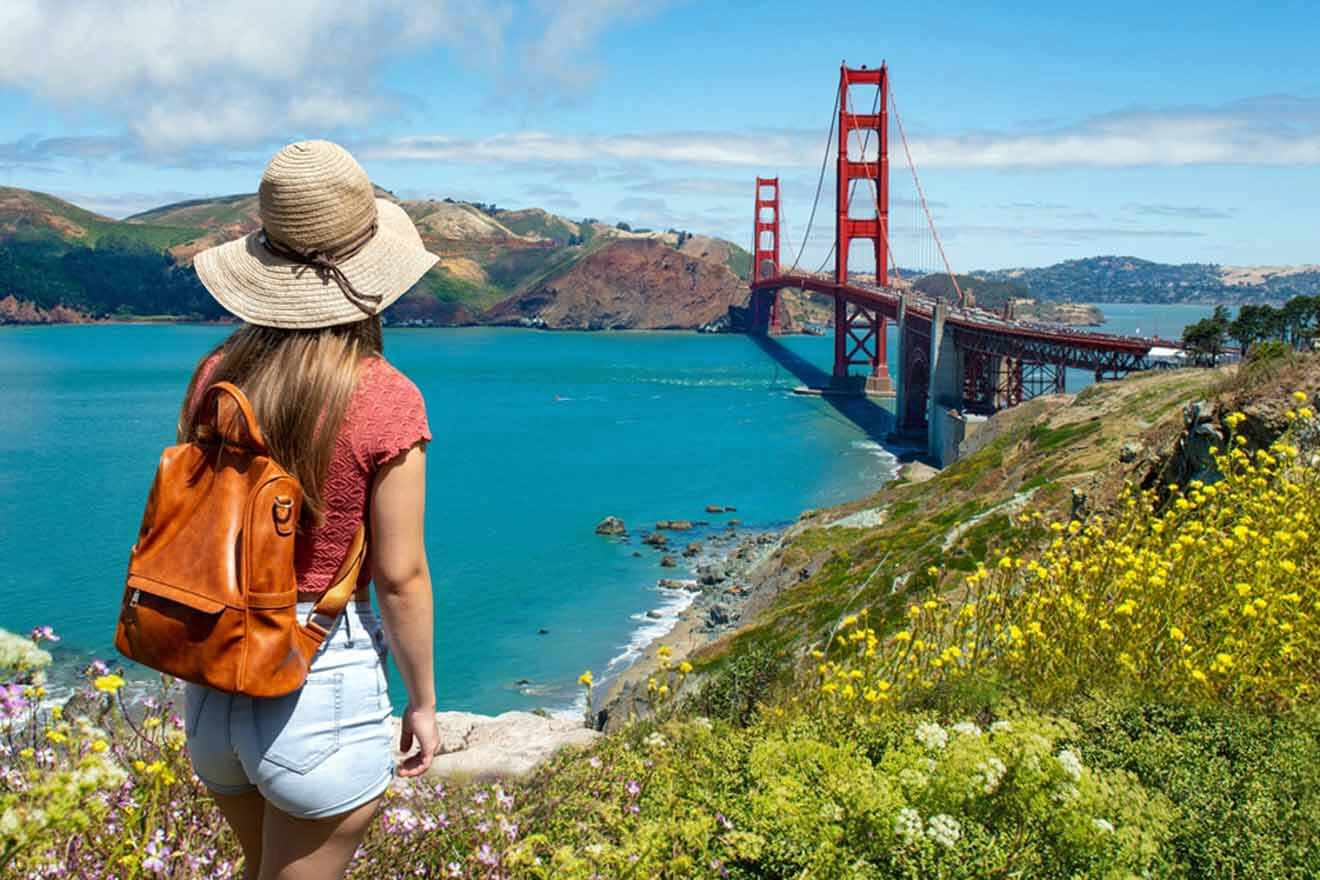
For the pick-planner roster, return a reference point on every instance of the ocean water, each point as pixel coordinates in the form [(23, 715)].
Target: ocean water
[(537, 437)]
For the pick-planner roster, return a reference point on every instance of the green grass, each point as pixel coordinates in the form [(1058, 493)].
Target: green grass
[(99, 228), (1046, 438)]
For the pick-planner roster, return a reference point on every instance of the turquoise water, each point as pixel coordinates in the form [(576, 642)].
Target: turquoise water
[(537, 437), (1139, 319)]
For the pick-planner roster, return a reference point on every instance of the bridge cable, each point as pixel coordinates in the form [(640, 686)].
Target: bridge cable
[(922, 195), (820, 181)]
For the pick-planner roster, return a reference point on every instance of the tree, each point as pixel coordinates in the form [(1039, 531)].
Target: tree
[(1298, 316), (1206, 337), (623, 226), (1252, 324)]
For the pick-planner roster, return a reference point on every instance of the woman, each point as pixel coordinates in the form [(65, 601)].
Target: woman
[(299, 777)]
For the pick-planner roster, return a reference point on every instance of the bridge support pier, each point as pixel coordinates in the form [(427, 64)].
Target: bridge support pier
[(860, 339), (913, 373), (944, 418)]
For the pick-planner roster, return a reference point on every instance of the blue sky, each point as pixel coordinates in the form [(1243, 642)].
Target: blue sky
[(1172, 131)]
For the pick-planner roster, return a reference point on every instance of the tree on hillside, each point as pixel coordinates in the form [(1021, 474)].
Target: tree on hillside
[(1205, 339), (1298, 316), (1253, 323)]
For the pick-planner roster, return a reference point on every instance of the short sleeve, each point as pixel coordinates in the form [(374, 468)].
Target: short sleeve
[(208, 367), (395, 419)]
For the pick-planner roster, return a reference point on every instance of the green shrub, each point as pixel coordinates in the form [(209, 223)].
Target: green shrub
[(1245, 782), (736, 689)]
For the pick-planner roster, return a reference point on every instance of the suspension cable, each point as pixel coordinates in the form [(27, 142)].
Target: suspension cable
[(820, 181), (922, 195)]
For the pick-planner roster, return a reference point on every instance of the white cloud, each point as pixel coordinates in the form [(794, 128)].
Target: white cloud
[(1270, 130), (766, 148), (561, 56), (181, 74), (1258, 131)]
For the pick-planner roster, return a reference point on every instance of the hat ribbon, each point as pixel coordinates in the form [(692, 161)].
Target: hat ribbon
[(327, 263)]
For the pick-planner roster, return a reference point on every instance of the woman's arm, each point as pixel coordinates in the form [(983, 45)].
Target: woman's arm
[(403, 588)]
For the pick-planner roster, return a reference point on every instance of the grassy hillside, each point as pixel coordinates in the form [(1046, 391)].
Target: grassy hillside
[(1086, 650)]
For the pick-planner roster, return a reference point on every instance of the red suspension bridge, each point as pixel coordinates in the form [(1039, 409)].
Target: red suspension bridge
[(956, 362)]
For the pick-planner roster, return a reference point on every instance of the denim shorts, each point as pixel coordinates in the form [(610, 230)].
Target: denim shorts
[(320, 751)]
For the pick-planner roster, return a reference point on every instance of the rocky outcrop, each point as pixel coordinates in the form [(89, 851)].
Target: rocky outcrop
[(16, 311), (641, 284), (611, 525), (481, 747)]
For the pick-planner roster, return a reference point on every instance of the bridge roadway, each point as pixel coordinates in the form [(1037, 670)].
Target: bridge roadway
[(979, 329)]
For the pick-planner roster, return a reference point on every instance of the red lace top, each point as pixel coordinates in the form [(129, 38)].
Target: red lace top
[(385, 417)]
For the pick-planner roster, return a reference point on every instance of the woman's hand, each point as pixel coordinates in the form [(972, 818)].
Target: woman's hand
[(418, 728)]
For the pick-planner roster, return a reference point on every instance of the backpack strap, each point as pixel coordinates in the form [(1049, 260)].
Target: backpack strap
[(256, 439), (333, 602)]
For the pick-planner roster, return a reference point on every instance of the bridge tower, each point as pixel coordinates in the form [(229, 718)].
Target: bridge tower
[(860, 333), (765, 254)]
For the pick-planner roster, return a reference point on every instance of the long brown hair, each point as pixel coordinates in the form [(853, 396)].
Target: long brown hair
[(299, 383)]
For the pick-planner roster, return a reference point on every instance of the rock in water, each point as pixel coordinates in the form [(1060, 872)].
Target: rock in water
[(668, 561), (692, 549), (674, 525), (714, 508), (611, 525), (655, 539)]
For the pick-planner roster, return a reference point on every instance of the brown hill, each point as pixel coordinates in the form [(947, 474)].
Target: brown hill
[(629, 283)]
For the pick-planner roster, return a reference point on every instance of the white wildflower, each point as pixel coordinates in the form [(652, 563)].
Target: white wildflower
[(1001, 726), (990, 773), (966, 728), (932, 736), (1071, 764), (944, 830), (907, 826), (656, 741), (1104, 825)]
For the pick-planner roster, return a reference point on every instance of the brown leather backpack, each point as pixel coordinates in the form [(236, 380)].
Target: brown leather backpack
[(211, 595)]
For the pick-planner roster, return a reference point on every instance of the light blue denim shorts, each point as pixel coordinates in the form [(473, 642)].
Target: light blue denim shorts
[(320, 751)]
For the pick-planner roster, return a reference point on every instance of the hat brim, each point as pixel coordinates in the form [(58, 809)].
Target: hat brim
[(271, 291)]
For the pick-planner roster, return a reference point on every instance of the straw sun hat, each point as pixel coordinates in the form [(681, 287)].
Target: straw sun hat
[(329, 252)]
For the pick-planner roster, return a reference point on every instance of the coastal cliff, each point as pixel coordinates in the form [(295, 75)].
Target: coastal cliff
[(628, 284)]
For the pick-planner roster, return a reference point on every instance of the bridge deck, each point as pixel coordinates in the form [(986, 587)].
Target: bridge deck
[(973, 320)]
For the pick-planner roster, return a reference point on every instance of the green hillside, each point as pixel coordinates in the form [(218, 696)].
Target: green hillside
[(1129, 279)]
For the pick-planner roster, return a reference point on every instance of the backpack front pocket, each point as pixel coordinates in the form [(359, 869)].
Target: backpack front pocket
[(300, 730)]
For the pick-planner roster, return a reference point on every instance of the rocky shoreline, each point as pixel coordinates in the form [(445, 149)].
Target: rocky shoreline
[(725, 584)]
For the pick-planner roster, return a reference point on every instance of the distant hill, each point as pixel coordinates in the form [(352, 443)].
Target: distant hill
[(1129, 279), (58, 260)]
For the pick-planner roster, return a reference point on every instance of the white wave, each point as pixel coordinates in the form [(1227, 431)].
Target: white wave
[(672, 605)]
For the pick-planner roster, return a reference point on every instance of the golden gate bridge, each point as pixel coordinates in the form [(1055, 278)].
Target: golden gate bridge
[(955, 360)]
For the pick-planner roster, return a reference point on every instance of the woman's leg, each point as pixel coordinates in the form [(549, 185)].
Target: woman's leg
[(245, 813), (312, 849)]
